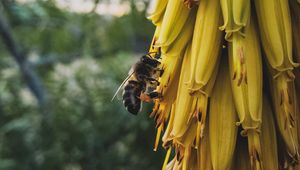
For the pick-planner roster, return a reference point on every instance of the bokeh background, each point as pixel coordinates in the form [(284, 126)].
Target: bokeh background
[(60, 64)]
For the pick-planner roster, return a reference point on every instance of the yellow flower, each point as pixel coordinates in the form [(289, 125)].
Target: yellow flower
[(215, 81)]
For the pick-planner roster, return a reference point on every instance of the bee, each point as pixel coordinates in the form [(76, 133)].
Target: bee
[(141, 83)]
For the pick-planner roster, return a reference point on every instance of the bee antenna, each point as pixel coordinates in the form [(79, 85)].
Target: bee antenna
[(152, 52), (155, 53)]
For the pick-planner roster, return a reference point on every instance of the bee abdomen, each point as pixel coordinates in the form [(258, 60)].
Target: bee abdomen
[(131, 95), (132, 104), (134, 108)]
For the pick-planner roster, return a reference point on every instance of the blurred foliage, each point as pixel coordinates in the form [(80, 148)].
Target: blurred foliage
[(81, 58)]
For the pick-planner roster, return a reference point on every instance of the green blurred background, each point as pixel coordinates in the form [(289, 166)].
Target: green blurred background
[(60, 63)]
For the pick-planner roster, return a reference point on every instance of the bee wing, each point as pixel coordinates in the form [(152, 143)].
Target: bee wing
[(141, 108), (122, 84), (131, 71)]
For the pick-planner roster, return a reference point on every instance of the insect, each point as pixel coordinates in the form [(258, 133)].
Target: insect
[(140, 84)]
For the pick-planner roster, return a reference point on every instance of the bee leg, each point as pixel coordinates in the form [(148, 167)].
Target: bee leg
[(155, 95), (145, 97), (161, 71), (157, 56), (154, 84), (152, 80), (148, 97)]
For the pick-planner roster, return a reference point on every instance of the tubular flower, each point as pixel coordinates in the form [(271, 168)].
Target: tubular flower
[(236, 16), (230, 83), (295, 13), (157, 12), (222, 118), (248, 97)]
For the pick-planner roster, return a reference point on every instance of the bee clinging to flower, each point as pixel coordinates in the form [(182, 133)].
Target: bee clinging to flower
[(141, 83)]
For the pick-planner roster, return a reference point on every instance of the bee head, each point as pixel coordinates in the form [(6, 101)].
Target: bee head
[(149, 61)]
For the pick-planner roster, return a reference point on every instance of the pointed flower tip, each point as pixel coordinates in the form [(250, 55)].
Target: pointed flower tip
[(159, 130), (167, 159)]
